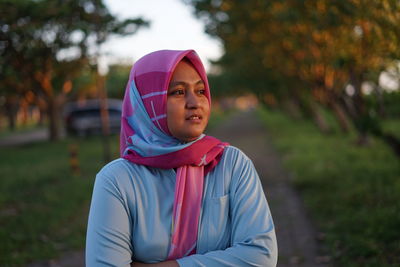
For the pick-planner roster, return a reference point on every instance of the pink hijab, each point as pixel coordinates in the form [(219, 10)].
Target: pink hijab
[(146, 140)]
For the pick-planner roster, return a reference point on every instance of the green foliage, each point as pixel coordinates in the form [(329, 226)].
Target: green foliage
[(308, 41), (87, 82), (35, 34), (46, 43), (353, 192), (305, 52), (116, 80)]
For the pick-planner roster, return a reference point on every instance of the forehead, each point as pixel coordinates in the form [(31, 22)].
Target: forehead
[(185, 71)]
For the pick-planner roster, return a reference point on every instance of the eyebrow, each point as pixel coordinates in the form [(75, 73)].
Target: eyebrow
[(172, 84)]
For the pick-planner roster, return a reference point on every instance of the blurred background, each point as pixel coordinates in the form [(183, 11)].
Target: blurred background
[(323, 78)]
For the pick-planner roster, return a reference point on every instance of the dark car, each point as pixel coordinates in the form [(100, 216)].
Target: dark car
[(83, 118)]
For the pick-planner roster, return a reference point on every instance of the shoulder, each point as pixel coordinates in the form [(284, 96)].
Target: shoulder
[(122, 166), (116, 166), (120, 172), (234, 151), (234, 157), (239, 165), (122, 178)]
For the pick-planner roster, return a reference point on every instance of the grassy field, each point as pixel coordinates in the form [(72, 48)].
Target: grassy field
[(353, 192), (43, 205)]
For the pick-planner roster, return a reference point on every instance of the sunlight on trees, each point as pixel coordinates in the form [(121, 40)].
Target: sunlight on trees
[(44, 46), (305, 53)]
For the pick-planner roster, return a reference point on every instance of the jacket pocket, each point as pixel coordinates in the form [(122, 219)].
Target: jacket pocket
[(218, 223)]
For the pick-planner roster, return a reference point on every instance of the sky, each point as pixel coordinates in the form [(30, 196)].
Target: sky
[(172, 26)]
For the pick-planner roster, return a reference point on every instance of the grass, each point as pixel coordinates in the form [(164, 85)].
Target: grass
[(392, 126), (43, 205), (353, 192)]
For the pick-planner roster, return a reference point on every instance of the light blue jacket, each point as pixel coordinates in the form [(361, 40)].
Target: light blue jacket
[(130, 216)]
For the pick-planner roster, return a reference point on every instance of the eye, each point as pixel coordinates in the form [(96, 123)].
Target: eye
[(177, 91), (201, 91)]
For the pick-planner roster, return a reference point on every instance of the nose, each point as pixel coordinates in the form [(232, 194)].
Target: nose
[(192, 100)]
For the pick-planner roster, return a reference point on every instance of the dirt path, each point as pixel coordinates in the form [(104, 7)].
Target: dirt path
[(296, 236)]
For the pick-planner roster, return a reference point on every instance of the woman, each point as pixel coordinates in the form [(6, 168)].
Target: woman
[(176, 197)]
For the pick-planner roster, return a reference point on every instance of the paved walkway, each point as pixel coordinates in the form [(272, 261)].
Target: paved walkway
[(296, 235), (18, 139)]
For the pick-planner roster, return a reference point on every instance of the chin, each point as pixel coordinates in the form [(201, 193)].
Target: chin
[(189, 138)]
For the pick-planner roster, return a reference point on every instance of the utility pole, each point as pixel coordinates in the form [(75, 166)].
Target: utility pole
[(105, 120)]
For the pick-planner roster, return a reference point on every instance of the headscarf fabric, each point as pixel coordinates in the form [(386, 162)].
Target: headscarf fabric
[(146, 140)]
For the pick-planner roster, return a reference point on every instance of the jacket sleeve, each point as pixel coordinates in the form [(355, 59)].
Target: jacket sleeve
[(253, 241), (108, 234)]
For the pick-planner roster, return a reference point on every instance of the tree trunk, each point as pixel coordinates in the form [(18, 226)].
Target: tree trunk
[(54, 133), (340, 116), (319, 119), (54, 105), (41, 104), (54, 101), (42, 116), (309, 109), (11, 120), (360, 110), (11, 108), (24, 106), (379, 96)]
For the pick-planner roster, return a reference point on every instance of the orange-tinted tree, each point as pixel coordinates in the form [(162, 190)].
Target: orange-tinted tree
[(45, 44), (307, 52)]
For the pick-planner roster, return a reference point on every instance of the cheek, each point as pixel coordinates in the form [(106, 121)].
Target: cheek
[(173, 113), (207, 109)]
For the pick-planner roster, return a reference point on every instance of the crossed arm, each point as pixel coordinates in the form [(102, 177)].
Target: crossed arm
[(159, 264)]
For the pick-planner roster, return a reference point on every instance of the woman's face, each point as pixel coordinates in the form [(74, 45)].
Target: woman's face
[(188, 109)]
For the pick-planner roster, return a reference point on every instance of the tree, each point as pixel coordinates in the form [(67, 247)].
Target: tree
[(48, 42), (307, 52), (116, 80)]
